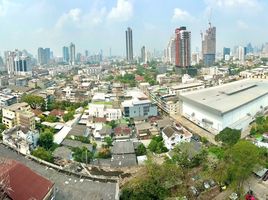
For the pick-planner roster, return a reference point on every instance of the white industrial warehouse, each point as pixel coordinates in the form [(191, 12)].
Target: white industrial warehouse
[(232, 105)]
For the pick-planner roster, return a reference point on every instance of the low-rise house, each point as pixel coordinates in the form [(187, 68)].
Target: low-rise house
[(122, 131), (123, 154), (74, 144), (25, 184), (79, 131), (174, 135), (62, 155), (57, 113), (21, 139), (105, 132), (143, 130), (162, 123)]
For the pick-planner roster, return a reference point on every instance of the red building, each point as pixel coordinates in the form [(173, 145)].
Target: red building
[(182, 47)]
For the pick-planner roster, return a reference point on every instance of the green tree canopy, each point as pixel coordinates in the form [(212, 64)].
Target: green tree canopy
[(46, 139), (82, 155), (238, 163), (154, 181), (33, 100), (228, 136), (157, 145), (68, 116), (43, 154), (109, 141), (141, 150)]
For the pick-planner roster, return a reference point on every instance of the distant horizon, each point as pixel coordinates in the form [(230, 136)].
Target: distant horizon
[(100, 25)]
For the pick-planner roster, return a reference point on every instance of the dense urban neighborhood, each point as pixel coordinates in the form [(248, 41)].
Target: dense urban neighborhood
[(170, 125)]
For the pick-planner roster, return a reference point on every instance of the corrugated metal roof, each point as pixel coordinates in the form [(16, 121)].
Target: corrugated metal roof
[(25, 184)]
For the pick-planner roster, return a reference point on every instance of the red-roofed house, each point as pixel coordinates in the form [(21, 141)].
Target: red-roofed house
[(57, 112), (25, 184), (122, 131)]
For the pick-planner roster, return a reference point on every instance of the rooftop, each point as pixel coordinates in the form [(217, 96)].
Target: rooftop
[(75, 143), (78, 130), (62, 152), (16, 106), (25, 183), (124, 147), (225, 98)]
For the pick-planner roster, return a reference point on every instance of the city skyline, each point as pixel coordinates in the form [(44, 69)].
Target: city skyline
[(98, 24)]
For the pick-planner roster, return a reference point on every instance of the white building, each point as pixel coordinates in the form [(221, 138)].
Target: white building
[(103, 111), (175, 135), (21, 139), (231, 105)]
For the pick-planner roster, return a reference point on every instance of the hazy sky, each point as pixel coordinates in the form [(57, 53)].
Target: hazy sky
[(101, 24)]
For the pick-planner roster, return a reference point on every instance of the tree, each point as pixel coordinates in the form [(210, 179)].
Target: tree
[(228, 136), (46, 140), (68, 116), (109, 141), (82, 154), (157, 145), (238, 164), (43, 154), (112, 123), (141, 150), (33, 100), (104, 153), (154, 181)]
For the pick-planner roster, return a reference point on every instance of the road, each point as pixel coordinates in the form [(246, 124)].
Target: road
[(68, 187)]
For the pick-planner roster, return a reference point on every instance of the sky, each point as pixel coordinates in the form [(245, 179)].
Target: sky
[(100, 24)]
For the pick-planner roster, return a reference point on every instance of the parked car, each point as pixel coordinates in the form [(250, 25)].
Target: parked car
[(194, 190), (206, 185), (212, 183)]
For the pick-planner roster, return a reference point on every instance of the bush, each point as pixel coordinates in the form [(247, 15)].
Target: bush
[(157, 145), (82, 155), (228, 136), (43, 154), (68, 116), (46, 140), (141, 150), (104, 153)]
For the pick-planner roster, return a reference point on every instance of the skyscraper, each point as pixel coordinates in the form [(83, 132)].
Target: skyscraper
[(72, 54), (65, 54), (43, 55), (182, 47), (129, 45), (143, 54), (17, 63), (241, 53), (226, 52), (209, 46)]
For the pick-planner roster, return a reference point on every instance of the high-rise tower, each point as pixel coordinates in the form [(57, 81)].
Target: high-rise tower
[(72, 54), (209, 46), (182, 47), (129, 45)]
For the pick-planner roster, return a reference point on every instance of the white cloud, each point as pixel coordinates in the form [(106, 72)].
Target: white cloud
[(242, 25), (74, 15), (248, 4), (181, 15), (123, 11)]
